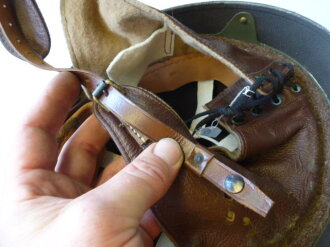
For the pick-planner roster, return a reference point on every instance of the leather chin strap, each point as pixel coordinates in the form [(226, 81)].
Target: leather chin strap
[(207, 165)]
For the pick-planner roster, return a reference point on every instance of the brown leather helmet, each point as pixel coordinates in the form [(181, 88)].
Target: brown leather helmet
[(256, 167)]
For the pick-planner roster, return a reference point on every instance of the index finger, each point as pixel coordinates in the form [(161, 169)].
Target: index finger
[(36, 147)]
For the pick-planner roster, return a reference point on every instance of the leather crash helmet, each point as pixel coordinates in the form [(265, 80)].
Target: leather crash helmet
[(249, 110)]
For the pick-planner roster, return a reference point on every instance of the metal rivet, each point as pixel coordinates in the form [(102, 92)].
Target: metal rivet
[(230, 216), (246, 221), (234, 183), (198, 158), (243, 20), (18, 41), (10, 24), (4, 6)]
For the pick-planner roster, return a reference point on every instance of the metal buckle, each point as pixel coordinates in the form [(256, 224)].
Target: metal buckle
[(102, 89), (115, 85), (247, 92)]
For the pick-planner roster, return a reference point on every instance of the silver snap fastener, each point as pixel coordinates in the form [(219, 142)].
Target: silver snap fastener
[(234, 183), (198, 159)]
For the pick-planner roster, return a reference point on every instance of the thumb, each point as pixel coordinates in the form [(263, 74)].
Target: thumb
[(143, 182)]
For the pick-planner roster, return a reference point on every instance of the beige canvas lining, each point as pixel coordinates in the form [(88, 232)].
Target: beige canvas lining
[(130, 64), (97, 31)]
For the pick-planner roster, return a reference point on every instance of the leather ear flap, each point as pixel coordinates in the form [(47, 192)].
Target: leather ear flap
[(32, 25), (7, 44)]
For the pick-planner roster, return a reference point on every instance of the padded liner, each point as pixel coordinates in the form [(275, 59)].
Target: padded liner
[(303, 38)]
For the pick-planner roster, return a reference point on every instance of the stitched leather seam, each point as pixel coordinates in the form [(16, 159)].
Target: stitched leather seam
[(136, 133), (166, 38)]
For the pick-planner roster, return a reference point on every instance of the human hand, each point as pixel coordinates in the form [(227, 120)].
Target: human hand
[(49, 200)]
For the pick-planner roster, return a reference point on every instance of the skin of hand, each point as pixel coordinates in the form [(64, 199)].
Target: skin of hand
[(47, 196)]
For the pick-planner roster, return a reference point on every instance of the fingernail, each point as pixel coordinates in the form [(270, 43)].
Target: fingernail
[(170, 151)]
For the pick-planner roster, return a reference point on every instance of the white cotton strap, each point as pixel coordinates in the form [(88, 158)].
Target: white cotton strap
[(204, 96)]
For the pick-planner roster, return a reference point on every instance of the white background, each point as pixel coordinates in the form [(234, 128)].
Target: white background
[(21, 83)]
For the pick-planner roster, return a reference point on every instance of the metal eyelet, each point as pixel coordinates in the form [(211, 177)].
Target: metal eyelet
[(296, 88), (277, 100), (256, 111)]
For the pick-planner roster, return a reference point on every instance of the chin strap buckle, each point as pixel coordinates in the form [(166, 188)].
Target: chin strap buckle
[(102, 89)]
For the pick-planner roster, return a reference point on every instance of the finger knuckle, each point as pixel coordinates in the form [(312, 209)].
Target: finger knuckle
[(153, 169), (87, 147)]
